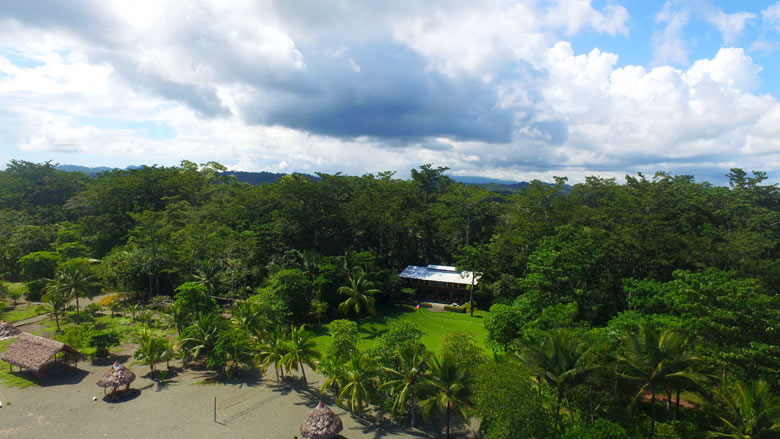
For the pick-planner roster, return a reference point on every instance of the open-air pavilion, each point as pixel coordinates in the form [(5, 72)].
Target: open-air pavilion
[(36, 354)]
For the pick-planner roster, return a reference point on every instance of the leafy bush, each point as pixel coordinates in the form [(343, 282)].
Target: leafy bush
[(103, 341), (601, 429), (343, 339), (92, 309), (75, 337)]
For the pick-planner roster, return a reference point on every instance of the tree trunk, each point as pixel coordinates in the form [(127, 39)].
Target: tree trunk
[(557, 410), (652, 421), (414, 404), (78, 317), (305, 383), (57, 321), (448, 420), (677, 407)]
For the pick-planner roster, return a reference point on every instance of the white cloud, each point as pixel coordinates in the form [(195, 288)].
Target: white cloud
[(668, 44), (730, 25), (771, 15), (572, 113)]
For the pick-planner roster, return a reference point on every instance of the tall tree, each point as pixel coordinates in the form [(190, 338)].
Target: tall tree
[(301, 349), (406, 381), (450, 386), (359, 294), (559, 358), (358, 382), (655, 359)]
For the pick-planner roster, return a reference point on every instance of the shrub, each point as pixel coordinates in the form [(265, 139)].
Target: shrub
[(343, 339), (458, 309), (103, 341)]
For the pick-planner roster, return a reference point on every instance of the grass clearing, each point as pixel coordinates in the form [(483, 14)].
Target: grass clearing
[(432, 324), (22, 311)]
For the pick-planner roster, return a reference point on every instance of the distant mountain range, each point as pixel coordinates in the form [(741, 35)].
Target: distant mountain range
[(258, 178)]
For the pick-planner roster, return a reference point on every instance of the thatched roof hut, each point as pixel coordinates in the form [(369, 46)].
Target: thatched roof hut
[(322, 423), (7, 330), (34, 353), (117, 375)]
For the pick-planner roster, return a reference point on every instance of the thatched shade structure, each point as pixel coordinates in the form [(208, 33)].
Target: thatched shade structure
[(322, 423), (117, 375), (7, 330), (34, 353)]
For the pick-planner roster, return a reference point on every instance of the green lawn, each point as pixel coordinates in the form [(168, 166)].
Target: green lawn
[(432, 324), (20, 312)]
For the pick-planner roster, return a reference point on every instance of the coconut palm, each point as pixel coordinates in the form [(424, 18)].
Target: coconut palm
[(152, 350), (560, 358), (246, 316), (301, 349), (333, 368), (358, 385), (208, 275), (359, 294), (655, 359), (202, 334), (752, 412), (450, 388), (407, 380), (73, 283), (55, 303), (178, 316), (274, 350)]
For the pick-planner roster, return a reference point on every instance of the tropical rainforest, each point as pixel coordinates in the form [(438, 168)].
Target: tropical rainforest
[(647, 307)]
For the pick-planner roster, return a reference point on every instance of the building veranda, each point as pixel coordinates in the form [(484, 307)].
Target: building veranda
[(439, 283)]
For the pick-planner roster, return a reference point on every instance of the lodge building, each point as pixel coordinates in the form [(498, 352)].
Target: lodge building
[(439, 283)]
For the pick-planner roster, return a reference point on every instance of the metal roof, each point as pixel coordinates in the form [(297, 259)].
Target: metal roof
[(439, 273)]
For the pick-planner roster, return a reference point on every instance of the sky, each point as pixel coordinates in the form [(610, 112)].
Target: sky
[(513, 90)]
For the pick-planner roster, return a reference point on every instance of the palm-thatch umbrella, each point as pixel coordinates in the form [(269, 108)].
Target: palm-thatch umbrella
[(117, 375), (322, 423), (7, 330)]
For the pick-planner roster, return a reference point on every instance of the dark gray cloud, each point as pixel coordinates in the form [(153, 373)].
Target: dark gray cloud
[(392, 96)]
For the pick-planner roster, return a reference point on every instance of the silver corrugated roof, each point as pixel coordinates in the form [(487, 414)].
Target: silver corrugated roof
[(439, 273)]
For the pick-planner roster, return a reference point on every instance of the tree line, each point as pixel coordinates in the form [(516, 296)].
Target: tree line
[(592, 264)]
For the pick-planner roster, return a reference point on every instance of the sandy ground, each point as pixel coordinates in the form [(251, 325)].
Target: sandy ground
[(181, 407)]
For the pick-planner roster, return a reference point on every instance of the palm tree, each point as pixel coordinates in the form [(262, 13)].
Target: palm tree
[(301, 349), (655, 359), (359, 294), (178, 316), (333, 368), (152, 350), (72, 282), (450, 385), (274, 351), (208, 275), (560, 358), (359, 382), (408, 379), (246, 316), (55, 302), (202, 334), (752, 412)]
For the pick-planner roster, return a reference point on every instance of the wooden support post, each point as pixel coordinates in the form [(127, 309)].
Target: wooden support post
[(215, 409)]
